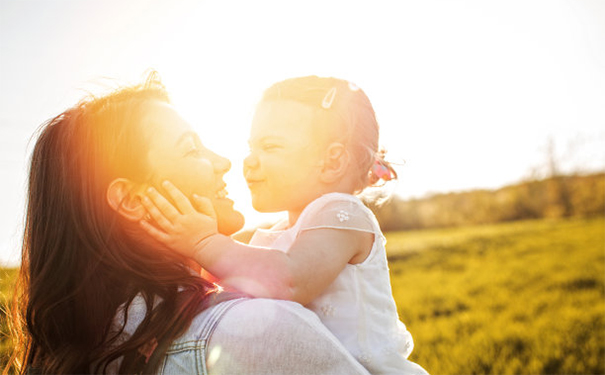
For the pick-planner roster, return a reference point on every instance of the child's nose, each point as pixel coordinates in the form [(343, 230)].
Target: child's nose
[(250, 161)]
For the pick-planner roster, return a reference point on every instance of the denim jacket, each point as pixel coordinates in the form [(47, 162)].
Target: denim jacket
[(251, 336), (189, 353)]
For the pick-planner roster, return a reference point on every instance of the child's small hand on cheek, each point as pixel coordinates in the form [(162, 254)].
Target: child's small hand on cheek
[(180, 227)]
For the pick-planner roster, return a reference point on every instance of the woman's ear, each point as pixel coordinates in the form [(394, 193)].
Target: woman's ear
[(335, 163), (125, 199)]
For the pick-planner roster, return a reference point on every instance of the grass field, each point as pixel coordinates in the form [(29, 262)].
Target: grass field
[(7, 278), (516, 298)]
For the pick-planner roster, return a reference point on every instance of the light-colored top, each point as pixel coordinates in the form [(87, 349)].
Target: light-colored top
[(358, 307), (249, 337)]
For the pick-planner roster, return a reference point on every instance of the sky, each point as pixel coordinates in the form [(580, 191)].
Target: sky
[(468, 94)]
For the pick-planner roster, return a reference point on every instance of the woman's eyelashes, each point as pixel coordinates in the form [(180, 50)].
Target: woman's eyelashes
[(194, 148), (194, 152)]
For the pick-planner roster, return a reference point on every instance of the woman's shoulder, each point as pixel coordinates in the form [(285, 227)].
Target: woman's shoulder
[(243, 315), (263, 312), (275, 336), (246, 317)]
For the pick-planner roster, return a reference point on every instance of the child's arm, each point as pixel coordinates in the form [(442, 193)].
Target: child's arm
[(311, 264)]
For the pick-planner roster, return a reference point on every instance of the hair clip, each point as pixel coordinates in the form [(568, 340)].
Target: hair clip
[(329, 98), (382, 171), (353, 87)]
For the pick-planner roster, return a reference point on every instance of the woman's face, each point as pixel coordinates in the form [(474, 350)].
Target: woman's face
[(177, 154)]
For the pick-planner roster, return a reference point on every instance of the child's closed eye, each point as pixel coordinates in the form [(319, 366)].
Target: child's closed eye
[(271, 146)]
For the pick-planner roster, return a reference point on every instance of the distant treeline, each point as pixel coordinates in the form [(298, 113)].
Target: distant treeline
[(554, 197)]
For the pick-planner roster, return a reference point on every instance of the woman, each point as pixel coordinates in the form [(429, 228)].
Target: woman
[(97, 296)]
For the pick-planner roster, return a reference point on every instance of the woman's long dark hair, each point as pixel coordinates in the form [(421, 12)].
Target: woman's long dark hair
[(80, 260)]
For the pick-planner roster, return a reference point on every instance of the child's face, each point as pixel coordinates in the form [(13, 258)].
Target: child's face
[(285, 159)]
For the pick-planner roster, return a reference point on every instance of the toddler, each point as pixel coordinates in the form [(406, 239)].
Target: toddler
[(313, 146)]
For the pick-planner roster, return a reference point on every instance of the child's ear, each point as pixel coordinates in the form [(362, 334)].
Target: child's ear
[(124, 197), (335, 163)]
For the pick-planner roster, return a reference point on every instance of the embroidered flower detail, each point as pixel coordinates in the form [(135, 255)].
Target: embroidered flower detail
[(328, 310), (342, 215)]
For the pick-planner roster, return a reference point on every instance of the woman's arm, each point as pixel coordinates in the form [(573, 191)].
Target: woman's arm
[(310, 265)]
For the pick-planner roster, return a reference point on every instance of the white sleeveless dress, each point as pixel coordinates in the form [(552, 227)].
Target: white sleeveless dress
[(358, 307)]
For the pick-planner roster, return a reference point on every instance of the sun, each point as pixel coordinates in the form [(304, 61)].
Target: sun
[(222, 118)]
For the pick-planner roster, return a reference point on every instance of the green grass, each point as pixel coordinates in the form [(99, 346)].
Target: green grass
[(518, 298), (7, 279)]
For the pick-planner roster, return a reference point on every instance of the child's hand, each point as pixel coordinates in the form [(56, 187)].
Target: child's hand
[(183, 227)]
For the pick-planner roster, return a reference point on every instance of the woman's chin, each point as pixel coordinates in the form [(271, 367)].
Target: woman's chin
[(229, 220), (232, 224)]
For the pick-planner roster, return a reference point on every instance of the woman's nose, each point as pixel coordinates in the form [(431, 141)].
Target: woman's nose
[(221, 164)]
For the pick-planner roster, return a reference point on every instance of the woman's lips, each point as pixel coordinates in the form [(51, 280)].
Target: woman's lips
[(221, 194), (221, 191)]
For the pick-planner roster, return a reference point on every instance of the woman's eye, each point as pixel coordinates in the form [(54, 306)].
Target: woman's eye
[(195, 152)]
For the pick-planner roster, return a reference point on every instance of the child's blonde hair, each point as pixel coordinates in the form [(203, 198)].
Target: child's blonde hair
[(343, 113)]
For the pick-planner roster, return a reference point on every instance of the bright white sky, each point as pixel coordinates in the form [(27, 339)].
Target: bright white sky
[(467, 92)]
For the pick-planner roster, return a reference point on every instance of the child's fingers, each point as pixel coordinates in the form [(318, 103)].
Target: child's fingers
[(169, 211), (156, 214), (204, 205), (182, 202), (155, 233)]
